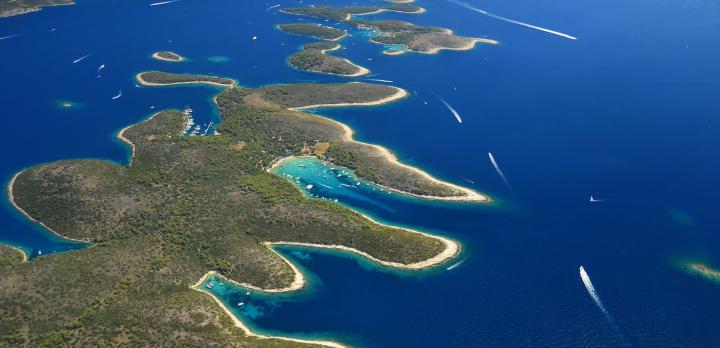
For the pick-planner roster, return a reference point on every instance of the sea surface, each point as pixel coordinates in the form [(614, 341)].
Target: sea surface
[(628, 113)]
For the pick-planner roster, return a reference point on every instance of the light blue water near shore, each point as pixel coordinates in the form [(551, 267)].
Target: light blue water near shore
[(626, 113)]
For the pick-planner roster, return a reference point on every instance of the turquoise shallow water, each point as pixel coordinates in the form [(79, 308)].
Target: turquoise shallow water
[(626, 113)]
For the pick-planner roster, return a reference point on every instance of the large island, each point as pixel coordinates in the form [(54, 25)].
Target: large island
[(186, 206)]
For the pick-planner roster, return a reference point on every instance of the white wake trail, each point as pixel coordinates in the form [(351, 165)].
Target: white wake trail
[(454, 112), (83, 58), (505, 19), (9, 37), (499, 171), (163, 2), (272, 7)]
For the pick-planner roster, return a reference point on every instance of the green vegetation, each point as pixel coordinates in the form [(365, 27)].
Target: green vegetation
[(10, 8), (314, 30), (168, 56), (421, 39), (161, 78), (185, 206), (346, 13), (10, 256), (313, 57)]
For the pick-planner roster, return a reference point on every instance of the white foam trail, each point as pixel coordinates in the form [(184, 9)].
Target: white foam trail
[(595, 200), (163, 2), (9, 37), (527, 25), (454, 112), (593, 293), (83, 58), (272, 7), (118, 95), (453, 266), (381, 80), (499, 171)]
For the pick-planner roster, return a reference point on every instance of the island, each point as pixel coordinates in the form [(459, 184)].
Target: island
[(9, 8), (346, 13), (314, 30), (168, 56), (419, 39), (313, 57), (401, 36), (186, 208), (702, 270), (161, 78)]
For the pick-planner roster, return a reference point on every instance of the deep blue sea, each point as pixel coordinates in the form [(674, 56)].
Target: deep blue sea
[(627, 113)]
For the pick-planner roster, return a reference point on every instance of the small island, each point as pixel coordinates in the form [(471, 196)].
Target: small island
[(314, 30), (702, 271), (9, 8), (168, 56), (160, 78), (313, 57)]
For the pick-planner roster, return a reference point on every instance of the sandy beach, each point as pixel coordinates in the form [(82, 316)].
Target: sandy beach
[(151, 84)]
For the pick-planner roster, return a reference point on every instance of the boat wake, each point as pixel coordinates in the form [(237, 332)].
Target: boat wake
[(596, 298), (527, 25), (454, 112), (118, 95), (455, 265), (9, 37), (163, 2), (499, 171), (83, 58)]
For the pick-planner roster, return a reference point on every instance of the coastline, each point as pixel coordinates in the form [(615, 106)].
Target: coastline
[(11, 198), (248, 332), (139, 78), (360, 72), (470, 195), (451, 250), (468, 46), (25, 256)]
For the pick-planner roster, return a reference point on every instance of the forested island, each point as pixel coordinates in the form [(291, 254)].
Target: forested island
[(160, 78), (9, 8), (185, 206), (403, 36), (313, 57), (168, 56), (314, 30)]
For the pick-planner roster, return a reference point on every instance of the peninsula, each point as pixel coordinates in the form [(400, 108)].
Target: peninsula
[(313, 30), (313, 57), (9, 8), (160, 78), (168, 56), (186, 206)]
